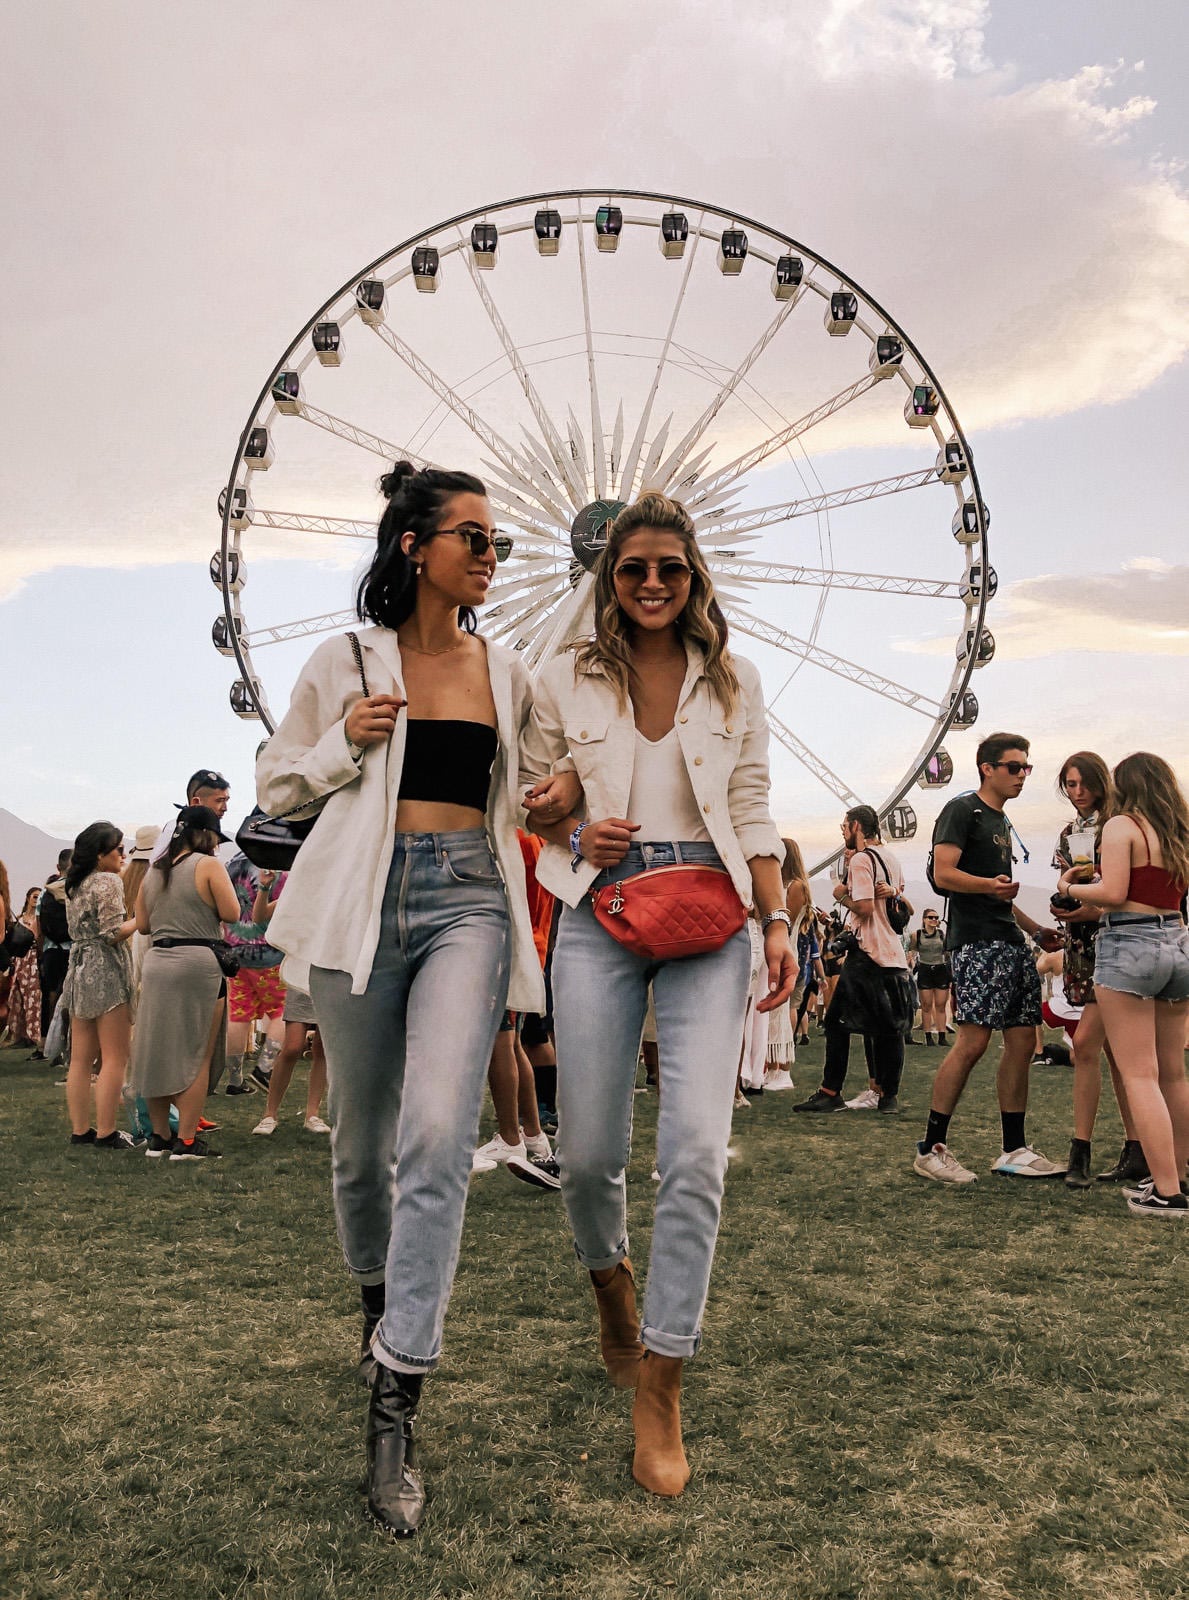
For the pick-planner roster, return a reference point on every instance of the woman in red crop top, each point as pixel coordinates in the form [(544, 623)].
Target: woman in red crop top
[(1141, 973)]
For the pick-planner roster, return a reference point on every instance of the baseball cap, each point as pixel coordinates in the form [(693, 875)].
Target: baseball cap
[(200, 817)]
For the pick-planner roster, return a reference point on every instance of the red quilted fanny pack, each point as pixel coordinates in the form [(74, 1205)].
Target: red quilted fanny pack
[(671, 912)]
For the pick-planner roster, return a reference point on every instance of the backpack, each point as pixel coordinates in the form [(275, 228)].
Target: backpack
[(895, 909), (933, 884), (51, 913)]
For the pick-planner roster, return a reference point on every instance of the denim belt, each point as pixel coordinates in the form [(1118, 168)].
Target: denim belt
[(1113, 919), (659, 853)]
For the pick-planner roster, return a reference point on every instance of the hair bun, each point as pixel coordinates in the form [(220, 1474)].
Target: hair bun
[(392, 483)]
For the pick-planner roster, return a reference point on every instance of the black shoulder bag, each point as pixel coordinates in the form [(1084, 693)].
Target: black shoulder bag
[(898, 914), (273, 842)]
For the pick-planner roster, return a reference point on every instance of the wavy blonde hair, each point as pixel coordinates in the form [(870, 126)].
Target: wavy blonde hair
[(1147, 786), (701, 622)]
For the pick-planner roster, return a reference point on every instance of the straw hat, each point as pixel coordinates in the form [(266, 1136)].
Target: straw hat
[(146, 838)]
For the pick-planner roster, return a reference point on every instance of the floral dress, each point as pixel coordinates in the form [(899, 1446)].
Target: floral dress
[(24, 996), (99, 976)]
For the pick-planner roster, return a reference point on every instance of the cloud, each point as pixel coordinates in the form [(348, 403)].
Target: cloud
[(1143, 609), (164, 240)]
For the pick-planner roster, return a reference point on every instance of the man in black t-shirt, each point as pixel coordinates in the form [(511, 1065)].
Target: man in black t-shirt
[(995, 983)]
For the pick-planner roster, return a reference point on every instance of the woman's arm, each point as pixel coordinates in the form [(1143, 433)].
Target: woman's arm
[(142, 913), (1110, 891), (768, 894), (217, 889), (308, 757), (749, 784), (113, 925)]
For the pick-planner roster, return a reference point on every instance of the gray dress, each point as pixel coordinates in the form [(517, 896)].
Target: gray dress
[(99, 976), (179, 988)]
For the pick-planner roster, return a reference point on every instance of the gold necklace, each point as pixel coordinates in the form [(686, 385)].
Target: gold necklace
[(445, 651)]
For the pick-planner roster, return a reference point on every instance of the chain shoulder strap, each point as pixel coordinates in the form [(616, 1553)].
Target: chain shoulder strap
[(280, 816)]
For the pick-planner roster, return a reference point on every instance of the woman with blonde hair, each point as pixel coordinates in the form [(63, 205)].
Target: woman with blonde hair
[(669, 736), (1141, 971)]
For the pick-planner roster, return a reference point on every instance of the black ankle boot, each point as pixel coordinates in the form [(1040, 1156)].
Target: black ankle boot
[(395, 1492), (1077, 1174), (1131, 1167), (371, 1297)]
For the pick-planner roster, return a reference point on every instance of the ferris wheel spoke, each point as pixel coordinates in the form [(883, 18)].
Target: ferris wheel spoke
[(734, 470), (302, 629), (810, 505), (597, 451), (813, 763), (300, 522), (534, 582), (549, 434), (840, 666), (834, 578), (360, 436), (522, 488), (672, 468), (627, 479)]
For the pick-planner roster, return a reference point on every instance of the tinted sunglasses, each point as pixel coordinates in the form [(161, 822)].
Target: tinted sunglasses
[(669, 571), (1015, 767), (481, 541)]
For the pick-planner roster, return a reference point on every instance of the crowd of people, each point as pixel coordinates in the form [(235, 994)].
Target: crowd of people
[(538, 886)]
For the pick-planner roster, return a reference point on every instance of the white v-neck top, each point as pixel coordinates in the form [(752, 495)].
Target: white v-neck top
[(662, 798)]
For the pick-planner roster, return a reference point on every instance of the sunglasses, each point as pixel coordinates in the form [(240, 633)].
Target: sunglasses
[(481, 541), (670, 571), (1015, 767)]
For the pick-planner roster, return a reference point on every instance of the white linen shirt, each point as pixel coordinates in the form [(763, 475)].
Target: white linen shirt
[(577, 722), (329, 914)]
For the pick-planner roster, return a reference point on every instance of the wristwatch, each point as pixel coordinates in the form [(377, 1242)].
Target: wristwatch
[(576, 848), (770, 917)]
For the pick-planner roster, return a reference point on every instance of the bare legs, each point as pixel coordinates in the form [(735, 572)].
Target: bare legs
[(1147, 1039), (106, 1037), (933, 1011), (968, 1048), (282, 1071), (1088, 1044), (513, 1089)]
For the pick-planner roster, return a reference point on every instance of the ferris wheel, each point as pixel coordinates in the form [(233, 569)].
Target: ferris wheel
[(576, 348)]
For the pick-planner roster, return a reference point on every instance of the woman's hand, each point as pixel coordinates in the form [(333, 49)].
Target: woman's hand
[(605, 844), (267, 878), (554, 798), (782, 966), (371, 721)]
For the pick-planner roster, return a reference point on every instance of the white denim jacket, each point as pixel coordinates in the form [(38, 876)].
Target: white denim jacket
[(577, 721), (329, 914)]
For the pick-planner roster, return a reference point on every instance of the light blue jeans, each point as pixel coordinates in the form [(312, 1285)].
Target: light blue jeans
[(406, 1063), (600, 993)]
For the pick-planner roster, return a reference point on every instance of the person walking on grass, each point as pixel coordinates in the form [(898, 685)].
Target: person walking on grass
[(406, 920), (97, 992), (53, 940), (1141, 970), (299, 1018), (873, 997), (24, 989), (669, 736), (996, 987), (1086, 783), (181, 1023), (927, 944)]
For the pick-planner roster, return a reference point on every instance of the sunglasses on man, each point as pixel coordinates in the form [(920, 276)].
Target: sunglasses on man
[(1014, 768)]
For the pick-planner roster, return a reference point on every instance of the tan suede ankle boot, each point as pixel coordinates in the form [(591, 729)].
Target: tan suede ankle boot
[(619, 1325), (659, 1465)]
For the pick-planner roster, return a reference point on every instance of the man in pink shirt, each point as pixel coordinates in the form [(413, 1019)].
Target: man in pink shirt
[(873, 996)]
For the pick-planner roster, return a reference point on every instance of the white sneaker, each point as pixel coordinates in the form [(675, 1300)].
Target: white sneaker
[(316, 1125), (867, 1101), (538, 1145), (266, 1125), (779, 1079), (1027, 1163), (742, 1103), (942, 1167), (494, 1153)]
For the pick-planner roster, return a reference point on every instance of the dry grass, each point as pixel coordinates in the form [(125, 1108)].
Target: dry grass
[(904, 1390)]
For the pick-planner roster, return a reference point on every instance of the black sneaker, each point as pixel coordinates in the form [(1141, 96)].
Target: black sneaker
[(240, 1088), (157, 1146), (819, 1100), (116, 1140), (888, 1105), (540, 1170), (1131, 1167), (196, 1150), (1150, 1204), (259, 1077), (83, 1138), (1077, 1173)]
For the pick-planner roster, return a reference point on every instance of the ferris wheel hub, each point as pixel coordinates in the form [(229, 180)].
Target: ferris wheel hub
[(589, 529)]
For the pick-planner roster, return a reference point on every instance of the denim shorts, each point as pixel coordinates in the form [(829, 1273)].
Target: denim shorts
[(1146, 956)]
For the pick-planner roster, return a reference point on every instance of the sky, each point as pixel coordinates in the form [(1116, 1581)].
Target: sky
[(190, 184)]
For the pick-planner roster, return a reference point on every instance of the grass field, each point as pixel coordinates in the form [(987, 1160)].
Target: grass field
[(904, 1390)]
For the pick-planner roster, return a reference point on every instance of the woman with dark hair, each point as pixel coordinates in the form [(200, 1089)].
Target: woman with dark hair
[(1141, 966), (180, 1027), (97, 994), (668, 733), (406, 920), (927, 944), (24, 991), (1086, 783)]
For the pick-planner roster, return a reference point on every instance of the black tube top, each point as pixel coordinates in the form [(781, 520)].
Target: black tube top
[(448, 761)]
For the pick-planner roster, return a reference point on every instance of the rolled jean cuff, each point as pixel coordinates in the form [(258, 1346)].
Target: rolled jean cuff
[(601, 1263), (399, 1360), (370, 1278), (683, 1346)]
